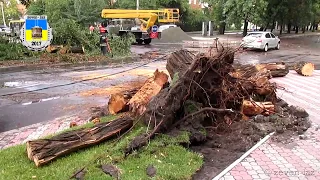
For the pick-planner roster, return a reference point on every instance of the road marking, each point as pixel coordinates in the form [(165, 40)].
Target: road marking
[(41, 100)]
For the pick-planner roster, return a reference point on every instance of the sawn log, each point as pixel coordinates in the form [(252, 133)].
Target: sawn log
[(118, 102), (53, 48), (304, 68), (179, 61), (72, 49), (251, 108), (152, 87), (43, 151), (276, 69)]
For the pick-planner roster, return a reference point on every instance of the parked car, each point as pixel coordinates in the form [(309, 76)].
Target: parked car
[(166, 26), (261, 40)]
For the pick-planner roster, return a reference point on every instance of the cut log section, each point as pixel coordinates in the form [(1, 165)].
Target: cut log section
[(43, 151), (276, 69), (152, 87), (72, 49), (304, 68), (179, 61), (251, 108), (53, 48), (118, 102)]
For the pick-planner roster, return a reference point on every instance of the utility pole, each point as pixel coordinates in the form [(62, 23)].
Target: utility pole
[(137, 4), (3, 18)]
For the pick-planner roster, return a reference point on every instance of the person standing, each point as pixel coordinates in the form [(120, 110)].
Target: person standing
[(91, 28)]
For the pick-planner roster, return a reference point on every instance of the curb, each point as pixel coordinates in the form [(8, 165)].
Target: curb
[(231, 166), (30, 67)]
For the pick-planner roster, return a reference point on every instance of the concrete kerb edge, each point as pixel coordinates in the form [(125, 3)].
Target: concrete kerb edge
[(231, 166)]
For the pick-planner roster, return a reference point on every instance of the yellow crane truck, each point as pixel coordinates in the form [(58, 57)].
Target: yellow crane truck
[(138, 22)]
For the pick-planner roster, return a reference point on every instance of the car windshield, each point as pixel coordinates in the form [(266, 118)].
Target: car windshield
[(254, 35)]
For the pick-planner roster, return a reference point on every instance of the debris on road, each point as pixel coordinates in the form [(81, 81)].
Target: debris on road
[(304, 68), (224, 108), (276, 69)]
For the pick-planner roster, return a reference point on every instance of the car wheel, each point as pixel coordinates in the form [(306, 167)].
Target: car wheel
[(139, 41), (266, 48), (278, 46)]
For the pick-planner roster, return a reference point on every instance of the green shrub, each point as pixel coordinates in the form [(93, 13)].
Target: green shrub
[(121, 46)]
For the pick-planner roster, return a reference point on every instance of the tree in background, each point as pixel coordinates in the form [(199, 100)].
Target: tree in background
[(245, 10), (10, 10)]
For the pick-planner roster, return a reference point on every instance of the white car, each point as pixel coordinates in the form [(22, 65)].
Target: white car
[(166, 26), (261, 40)]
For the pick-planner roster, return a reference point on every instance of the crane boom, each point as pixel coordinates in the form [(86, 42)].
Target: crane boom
[(164, 15)]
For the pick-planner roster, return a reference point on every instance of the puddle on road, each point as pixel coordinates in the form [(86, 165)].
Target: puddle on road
[(23, 84)]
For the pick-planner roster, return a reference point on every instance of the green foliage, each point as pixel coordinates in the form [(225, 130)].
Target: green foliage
[(121, 46), (14, 51), (10, 11)]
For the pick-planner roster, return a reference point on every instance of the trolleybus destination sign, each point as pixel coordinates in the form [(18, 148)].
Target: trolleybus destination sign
[(36, 33)]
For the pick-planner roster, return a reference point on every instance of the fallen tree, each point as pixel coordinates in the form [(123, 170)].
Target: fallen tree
[(43, 151), (210, 84)]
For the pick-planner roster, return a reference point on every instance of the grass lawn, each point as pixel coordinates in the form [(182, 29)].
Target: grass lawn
[(171, 160)]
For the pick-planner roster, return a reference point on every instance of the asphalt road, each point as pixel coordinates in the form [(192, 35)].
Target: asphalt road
[(29, 97)]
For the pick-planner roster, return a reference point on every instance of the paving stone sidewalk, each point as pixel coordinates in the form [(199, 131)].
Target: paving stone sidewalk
[(35, 131), (298, 160)]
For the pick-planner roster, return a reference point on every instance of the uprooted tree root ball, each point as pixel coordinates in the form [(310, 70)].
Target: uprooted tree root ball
[(220, 105)]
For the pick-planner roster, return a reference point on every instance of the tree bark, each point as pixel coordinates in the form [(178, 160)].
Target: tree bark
[(245, 28), (304, 68), (222, 28), (43, 151), (179, 62), (276, 69)]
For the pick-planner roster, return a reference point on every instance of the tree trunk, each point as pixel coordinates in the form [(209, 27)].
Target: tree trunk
[(43, 151), (304, 29), (118, 102), (281, 28), (245, 28), (152, 87), (72, 49), (222, 28), (276, 69), (297, 29), (289, 28), (273, 25), (251, 108), (178, 62), (304, 68)]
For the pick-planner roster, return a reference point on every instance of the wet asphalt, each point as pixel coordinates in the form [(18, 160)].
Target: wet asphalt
[(33, 96)]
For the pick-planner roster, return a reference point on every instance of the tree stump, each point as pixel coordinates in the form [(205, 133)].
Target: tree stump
[(276, 69), (304, 68), (179, 61), (43, 151)]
